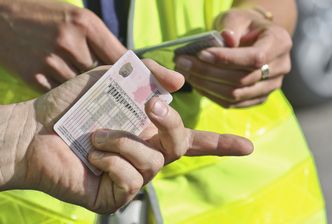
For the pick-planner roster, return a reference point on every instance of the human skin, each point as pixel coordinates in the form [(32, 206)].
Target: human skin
[(47, 42), (34, 157), (231, 76)]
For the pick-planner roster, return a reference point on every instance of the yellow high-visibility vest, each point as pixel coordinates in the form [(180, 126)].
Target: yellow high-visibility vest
[(276, 184)]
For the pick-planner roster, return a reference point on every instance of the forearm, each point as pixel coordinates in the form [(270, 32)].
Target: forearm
[(284, 11), (17, 128)]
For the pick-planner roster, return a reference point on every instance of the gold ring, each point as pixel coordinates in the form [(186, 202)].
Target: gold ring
[(265, 69)]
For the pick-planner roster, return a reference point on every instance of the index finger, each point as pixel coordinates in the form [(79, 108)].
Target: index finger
[(174, 140), (209, 143), (169, 79), (263, 51)]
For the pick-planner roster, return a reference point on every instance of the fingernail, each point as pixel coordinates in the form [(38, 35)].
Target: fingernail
[(159, 108), (183, 63), (96, 155), (100, 137), (206, 56), (229, 32)]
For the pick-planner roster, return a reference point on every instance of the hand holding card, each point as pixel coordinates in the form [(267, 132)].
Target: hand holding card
[(115, 101), (128, 161)]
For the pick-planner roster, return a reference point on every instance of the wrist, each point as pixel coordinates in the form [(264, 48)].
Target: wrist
[(17, 128)]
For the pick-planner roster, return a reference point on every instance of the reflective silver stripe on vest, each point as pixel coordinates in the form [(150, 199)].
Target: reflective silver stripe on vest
[(154, 203), (130, 25), (132, 213), (135, 212)]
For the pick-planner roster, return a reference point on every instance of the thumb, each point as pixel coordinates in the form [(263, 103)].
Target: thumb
[(233, 26), (169, 79)]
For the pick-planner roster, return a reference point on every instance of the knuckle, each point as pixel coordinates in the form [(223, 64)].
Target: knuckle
[(157, 163), (223, 57), (224, 142), (134, 185), (113, 163), (288, 65), (150, 168), (173, 157), (179, 150), (130, 186), (63, 40), (175, 154), (259, 59), (288, 42), (81, 17), (286, 39)]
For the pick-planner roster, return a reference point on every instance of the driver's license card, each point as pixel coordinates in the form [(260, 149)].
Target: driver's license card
[(116, 101)]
